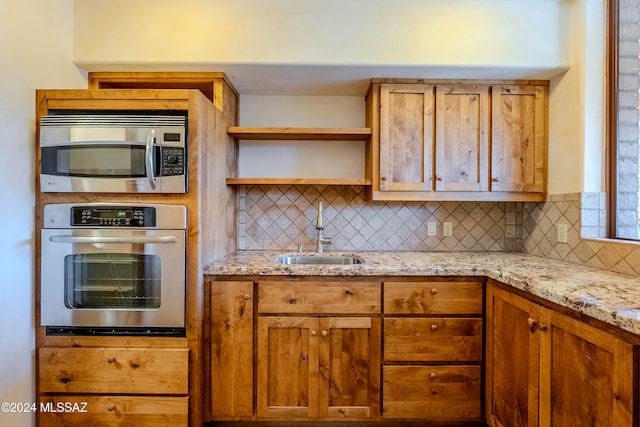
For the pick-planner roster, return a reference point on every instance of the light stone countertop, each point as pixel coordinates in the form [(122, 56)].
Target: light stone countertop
[(610, 297)]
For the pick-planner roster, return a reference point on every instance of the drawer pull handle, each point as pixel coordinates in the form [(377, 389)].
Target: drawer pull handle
[(134, 365), (111, 360), (65, 380), (434, 291), (325, 333), (111, 408), (434, 327), (314, 333), (433, 375), (247, 297)]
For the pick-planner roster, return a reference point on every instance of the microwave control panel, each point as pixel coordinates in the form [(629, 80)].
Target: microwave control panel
[(134, 216), (172, 161)]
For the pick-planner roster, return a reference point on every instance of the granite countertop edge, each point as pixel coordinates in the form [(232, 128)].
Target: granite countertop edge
[(610, 297)]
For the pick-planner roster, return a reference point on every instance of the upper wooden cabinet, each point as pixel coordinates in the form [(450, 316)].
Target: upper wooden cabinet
[(462, 140)]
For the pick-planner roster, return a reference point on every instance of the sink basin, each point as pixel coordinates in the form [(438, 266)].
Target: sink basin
[(319, 259)]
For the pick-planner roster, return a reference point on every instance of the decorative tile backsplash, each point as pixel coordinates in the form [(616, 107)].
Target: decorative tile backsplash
[(585, 215), (278, 217)]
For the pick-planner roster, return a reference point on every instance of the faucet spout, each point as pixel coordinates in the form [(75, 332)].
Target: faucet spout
[(321, 240)]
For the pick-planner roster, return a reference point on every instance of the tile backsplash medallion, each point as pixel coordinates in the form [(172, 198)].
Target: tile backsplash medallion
[(277, 217)]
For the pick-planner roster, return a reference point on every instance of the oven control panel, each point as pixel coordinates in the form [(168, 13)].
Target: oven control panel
[(113, 216)]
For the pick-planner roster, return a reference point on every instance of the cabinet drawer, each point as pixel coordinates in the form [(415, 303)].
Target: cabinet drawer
[(433, 339), (433, 297), (113, 370), (431, 392), (319, 297), (138, 411)]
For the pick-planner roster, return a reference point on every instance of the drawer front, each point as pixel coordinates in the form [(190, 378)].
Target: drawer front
[(133, 411), (113, 370), (431, 392), (433, 297), (432, 339), (319, 297)]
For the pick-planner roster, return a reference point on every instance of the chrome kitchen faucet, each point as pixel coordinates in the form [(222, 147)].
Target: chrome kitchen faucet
[(320, 226)]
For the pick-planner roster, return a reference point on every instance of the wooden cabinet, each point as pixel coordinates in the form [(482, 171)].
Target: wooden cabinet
[(462, 140), (549, 369), (84, 386), (518, 144), (230, 345), (432, 350), (314, 365)]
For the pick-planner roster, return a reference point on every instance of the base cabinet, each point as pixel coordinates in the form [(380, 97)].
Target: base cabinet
[(103, 386), (548, 369)]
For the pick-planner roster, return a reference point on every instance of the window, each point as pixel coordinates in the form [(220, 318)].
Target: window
[(623, 120)]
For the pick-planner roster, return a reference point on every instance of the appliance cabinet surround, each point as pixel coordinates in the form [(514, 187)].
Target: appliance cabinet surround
[(141, 380), (458, 140), (546, 368)]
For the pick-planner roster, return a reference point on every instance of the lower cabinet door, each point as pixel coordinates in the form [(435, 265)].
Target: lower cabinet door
[(108, 411), (431, 392)]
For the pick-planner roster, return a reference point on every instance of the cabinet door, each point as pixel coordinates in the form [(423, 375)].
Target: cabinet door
[(586, 375), (406, 137), (462, 138), (512, 357), (231, 349), (349, 367), (518, 142), (287, 377)]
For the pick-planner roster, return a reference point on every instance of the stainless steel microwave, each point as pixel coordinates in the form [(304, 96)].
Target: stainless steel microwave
[(113, 153)]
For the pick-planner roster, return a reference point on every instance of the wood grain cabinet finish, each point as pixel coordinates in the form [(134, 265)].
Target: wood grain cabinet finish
[(99, 410), (113, 370), (433, 350), (315, 365), (460, 140), (554, 370), (230, 361)]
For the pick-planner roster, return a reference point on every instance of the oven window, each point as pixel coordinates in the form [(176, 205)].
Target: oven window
[(112, 280)]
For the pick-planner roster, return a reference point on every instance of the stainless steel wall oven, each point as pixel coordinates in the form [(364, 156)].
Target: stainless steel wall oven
[(113, 269)]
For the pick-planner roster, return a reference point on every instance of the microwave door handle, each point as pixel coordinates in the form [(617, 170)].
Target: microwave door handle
[(110, 239), (149, 158)]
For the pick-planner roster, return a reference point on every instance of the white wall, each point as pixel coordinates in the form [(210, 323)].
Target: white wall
[(36, 50)]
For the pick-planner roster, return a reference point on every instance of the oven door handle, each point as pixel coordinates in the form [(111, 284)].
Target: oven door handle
[(110, 239), (149, 158)]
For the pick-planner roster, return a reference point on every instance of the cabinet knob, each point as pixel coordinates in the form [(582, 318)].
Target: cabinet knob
[(434, 327), (438, 178), (111, 408), (433, 375), (383, 178), (325, 333), (314, 333), (434, 291), (247, 296), (494, 180), (534, 324)]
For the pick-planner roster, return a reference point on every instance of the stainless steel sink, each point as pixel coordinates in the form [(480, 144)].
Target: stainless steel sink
[(319, 259)]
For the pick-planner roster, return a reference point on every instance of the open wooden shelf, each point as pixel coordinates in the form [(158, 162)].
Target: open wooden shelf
[(299, 181), (290, 133)]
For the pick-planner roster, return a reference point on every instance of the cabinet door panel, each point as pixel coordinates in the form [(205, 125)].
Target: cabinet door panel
[(462, 138), (231, 350), (406, 137), (349, 367), (512, 360), (432, 392), (585, 375), (287, 367), (433, 339), (518, 143)]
